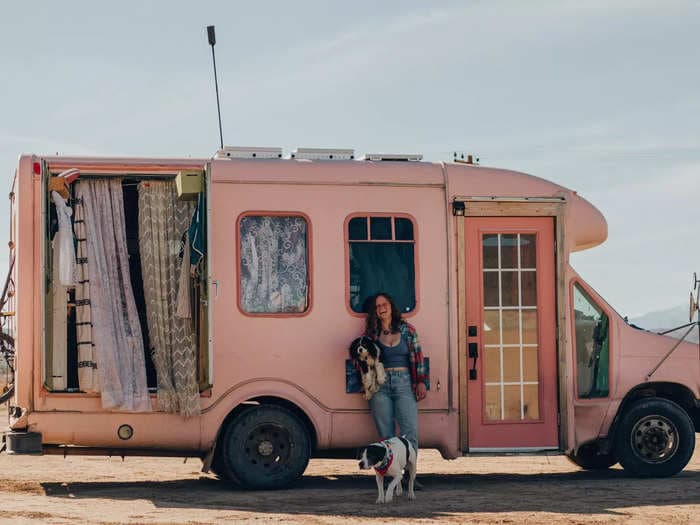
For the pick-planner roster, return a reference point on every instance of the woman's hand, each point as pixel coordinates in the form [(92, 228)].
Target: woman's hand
[(421, 391)]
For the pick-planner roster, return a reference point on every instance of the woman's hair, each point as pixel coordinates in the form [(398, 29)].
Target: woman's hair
[(373, 324)]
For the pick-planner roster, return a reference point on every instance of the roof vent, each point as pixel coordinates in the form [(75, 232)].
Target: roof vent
[(406, 157), (323, 154), (238, 152)]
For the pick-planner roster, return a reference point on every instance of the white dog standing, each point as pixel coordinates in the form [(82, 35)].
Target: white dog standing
[(389, 458)]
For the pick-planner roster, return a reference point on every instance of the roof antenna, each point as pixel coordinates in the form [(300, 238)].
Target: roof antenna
[(212, 41)]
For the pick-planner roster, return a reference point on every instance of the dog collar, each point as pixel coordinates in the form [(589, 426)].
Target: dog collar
[(386, 462)]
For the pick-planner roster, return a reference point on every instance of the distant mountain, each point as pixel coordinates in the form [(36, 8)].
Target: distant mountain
[(664, 319)]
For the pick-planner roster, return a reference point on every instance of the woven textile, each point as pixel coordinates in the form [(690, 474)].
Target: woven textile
[(88, 379), (116, 334), (162, 221)]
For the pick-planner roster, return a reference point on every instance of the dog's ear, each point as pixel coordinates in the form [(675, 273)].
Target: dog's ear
[(375, 454), (363, 366)]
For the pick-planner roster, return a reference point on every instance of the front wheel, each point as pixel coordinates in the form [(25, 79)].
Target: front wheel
[(656, 438), (265, 447), (587, 458)]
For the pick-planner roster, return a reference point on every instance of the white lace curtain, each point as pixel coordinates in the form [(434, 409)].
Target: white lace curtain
[(117, 342), (162, 221), (274, 274)]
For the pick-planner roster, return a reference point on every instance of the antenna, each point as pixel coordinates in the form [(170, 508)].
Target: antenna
[(212, 42)]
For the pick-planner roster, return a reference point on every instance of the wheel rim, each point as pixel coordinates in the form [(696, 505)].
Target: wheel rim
[(267, 448), (654, 439)]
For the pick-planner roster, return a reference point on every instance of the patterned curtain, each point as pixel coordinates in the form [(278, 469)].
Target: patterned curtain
[(88, 378), (274, 275), (117, 342), (162, 221)]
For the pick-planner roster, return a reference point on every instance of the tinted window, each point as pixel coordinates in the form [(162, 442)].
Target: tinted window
[(592, 346), (385, 262)]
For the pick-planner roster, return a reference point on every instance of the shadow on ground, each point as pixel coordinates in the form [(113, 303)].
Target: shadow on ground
[(352, 495)]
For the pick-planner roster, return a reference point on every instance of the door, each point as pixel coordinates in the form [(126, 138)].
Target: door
[(511, 342)]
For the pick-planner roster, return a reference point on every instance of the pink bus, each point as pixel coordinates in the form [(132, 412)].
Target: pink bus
[(204, 308)]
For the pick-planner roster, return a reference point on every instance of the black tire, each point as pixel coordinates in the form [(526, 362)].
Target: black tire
[(264, 447), (587, 458), (655, 438)]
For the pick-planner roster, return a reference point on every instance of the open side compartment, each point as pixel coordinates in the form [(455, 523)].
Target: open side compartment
[(139, 242)]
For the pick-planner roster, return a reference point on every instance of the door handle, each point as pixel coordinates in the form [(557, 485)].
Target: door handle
[(473, 353)]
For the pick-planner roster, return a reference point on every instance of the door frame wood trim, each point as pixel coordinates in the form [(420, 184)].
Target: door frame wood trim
[(515, 207)]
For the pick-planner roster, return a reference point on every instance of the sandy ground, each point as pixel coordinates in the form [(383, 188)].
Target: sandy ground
[(518, 489)]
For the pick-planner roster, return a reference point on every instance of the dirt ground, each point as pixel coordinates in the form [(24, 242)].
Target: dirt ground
[(519, 489)]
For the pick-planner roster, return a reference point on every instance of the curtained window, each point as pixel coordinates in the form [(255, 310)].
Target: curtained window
[(274, 277)]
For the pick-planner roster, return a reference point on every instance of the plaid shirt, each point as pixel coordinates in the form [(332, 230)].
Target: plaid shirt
[(419, 373)]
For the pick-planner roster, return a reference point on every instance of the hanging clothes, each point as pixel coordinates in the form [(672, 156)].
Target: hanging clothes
[(88, 378), (162, 219), (64, 241), (117, 337)]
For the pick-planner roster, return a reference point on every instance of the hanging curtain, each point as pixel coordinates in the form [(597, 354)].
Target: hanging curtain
[(162, 221), (88, 379), (116, 334), (274, 274)]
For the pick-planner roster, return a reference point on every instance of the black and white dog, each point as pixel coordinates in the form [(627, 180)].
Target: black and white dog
[(365, 353), (390, 458)]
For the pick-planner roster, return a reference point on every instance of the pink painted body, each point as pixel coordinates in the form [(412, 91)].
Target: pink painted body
[(301, 358)]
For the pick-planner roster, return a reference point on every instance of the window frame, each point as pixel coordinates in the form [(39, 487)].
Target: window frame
[(416, 273), (593, 296), (309, 262)]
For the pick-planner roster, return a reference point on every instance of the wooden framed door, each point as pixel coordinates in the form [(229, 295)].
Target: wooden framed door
[(511, 334)]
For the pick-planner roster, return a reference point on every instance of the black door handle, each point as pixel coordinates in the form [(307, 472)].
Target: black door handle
[(473, 354)]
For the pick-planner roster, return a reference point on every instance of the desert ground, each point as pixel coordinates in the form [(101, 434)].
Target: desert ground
[(518, 489)]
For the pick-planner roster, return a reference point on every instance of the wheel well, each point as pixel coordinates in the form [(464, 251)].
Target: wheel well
[(271, 400), (679, 394)]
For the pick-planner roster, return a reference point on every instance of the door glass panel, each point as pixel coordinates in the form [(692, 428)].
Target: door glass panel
[(511, 402), (530, 372), (509, 251), (492, 402), (529, 326), (527, 251), (510, 316), (490, 250), (492, 327), (491, 289), (492, 365), (511, 327), (509, 288), (511, 365), (529, 292)]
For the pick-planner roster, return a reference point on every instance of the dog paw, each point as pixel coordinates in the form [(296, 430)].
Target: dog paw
[(411, 496), (379, 500)]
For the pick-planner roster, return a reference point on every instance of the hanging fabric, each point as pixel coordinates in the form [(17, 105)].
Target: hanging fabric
[(64, 241), (88, 379), (59, 316), (162, 221), (117, 338)]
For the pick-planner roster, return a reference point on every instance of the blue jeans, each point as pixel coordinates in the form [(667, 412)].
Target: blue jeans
[(395, 401)]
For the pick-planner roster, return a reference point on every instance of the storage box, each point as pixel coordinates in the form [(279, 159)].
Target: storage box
[(189, 185)]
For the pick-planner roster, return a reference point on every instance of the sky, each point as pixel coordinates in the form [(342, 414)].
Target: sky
[(599, 96)]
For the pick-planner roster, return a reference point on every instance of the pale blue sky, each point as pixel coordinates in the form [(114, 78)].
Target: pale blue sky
[(599, 96)]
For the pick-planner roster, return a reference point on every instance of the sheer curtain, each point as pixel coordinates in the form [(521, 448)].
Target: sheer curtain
[(274, 275), (116, 336), (162, 221)]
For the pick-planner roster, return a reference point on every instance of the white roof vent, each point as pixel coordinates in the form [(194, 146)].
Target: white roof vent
[(412, 157), (238, 152), (323, 154)]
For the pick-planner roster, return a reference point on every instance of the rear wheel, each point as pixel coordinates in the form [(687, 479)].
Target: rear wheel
[(655, 438), (265, 447)]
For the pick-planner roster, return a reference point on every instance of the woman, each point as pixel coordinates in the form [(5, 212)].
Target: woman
[(407, 379)]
